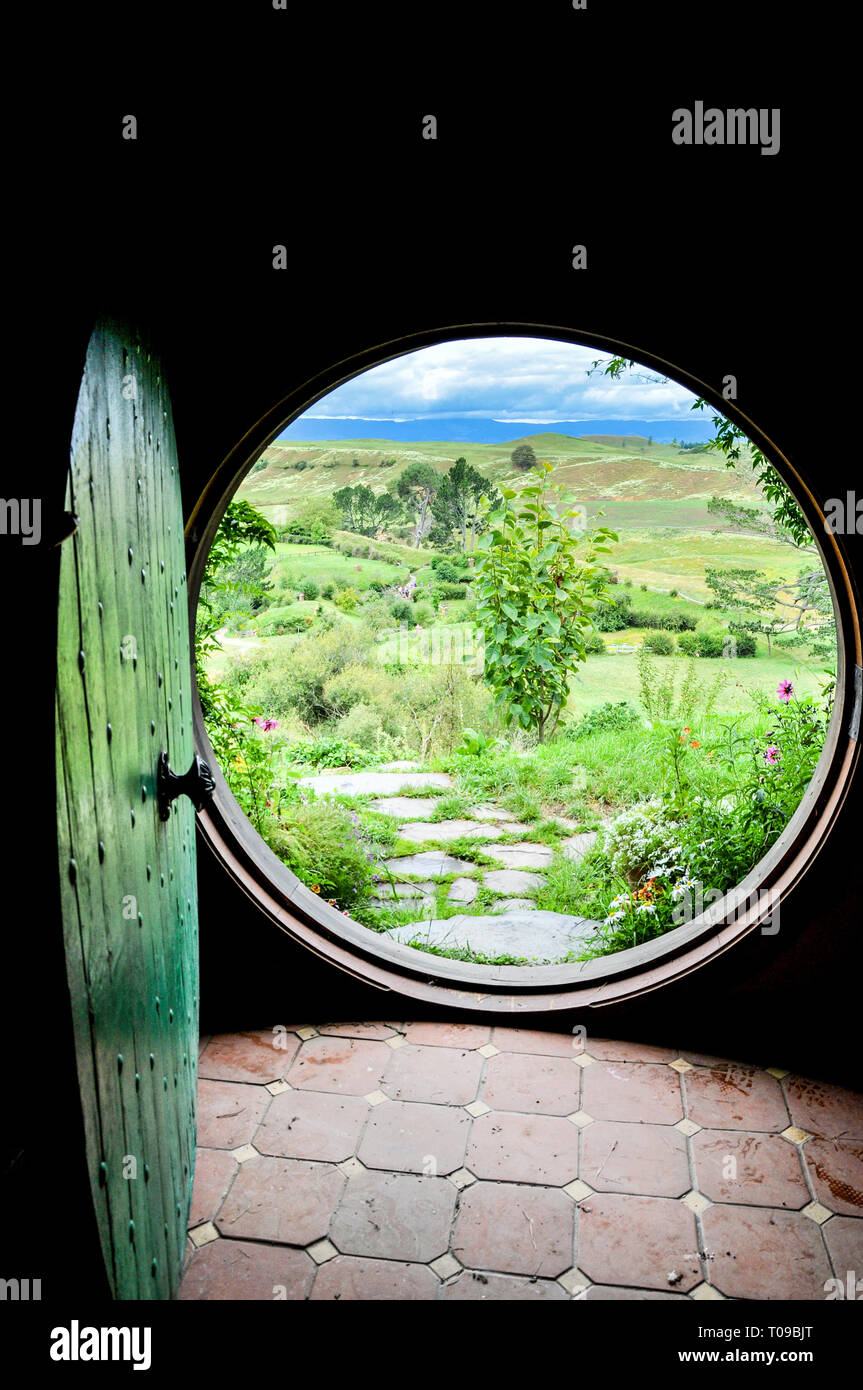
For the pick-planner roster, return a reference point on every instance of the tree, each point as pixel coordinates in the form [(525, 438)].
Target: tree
[(417, 487), (455, 508), (537, 586), (754, 598), (523, 457), (364, 510)]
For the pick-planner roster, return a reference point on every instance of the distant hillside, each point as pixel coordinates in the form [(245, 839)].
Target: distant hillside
[(466, 429)]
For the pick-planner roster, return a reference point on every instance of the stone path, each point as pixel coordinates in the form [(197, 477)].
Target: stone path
[(564, 1168), (539, 937), (513, 927)]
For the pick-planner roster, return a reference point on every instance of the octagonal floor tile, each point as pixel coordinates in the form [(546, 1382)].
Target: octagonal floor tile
[(248, 1056), (536, 1041), (532, 1084), (760, 1253), (749, 1169), (633, 1091), (612, 1050), (844, 1237), (281, 1199), (464, 1035), (214, 1171), (735, 1097), (511, 1228), (395, 1216), (523, 1148), (350, 1278), (836, 1170), (236, 1270), (411, 1137), (644, 1159), (375, 1032), (637, 1242), (312, 1124), (475, 1287), (610, 1293), (228, 1113), (436, 1075), (827, 1112), (349, 1066)]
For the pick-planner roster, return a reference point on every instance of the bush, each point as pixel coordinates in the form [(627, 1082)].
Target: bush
[(446, 570), (709, 644), (594, 644), (328, 752), (361, 726), (608, 718), (424, 614), (638, 837), (320, 842), (290, 678), (677, 622), (309, 587), (327, 591), (445, 591), (347, 600), (403, 611), (610, 618), (659, 643), (746, 644)]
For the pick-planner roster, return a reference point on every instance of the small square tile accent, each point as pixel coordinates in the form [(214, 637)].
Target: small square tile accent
[(445, 1266), (321, 1251), (704, 1292), (488, 1050), (584, 1059), (202, 1235), (245, 1153), (275, 1088), (477, 1108), (580, 1118), (462, 1177), (578, 1190), (778, 1072), (817, 1213), (306, 1032), (375, 1097), (688, 1127), (795, 1135), (574, 1282), (680, 1065), (351, 1166), (397, 1041), (696, 1201)]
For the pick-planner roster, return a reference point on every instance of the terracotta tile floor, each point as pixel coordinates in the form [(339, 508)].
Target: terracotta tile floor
[(461, 1161)]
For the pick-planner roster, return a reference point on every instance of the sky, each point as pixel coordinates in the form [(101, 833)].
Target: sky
[(523, 380)]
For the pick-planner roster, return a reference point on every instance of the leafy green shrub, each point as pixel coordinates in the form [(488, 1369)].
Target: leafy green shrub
[(594, 645), (708, 644), (322, 843), (328, 752), (328, 591), (446, 570), (609, 717), (362, 726), (347, 600), (402, 611), (424, 614), (659, 643), (610, 618), (446, 591), (309, 587), (677, 622)]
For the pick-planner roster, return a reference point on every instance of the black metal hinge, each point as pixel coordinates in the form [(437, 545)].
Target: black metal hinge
[(198, 784)]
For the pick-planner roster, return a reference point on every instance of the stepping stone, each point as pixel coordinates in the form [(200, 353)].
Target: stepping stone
[(417, 831), (434, 863), (517, 828), (514, 905), (561, 820), (407, 806), (463, 890), (577, 846), (491, 813), (511, 881), (524, 856), (423, 903), (407, 890), (543, 936), (379, 783)]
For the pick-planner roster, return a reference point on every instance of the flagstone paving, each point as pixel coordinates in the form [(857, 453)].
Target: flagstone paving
[(529, 935), (450, 1161)]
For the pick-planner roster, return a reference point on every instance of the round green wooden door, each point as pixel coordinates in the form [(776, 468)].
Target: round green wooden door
[(128, 877)]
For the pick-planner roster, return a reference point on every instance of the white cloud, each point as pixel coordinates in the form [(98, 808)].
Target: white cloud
[(528, 380)]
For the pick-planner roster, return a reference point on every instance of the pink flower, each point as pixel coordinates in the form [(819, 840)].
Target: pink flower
[(771, 754), (785, 690), (270, 724)]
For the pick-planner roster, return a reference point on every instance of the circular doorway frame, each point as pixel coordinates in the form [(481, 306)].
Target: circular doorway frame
[(388, 965)]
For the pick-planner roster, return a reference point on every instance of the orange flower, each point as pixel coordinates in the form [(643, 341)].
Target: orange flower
[(316, 888), (695, 743)]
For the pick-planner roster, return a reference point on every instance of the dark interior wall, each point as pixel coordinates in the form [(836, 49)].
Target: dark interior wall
[(711, 295)]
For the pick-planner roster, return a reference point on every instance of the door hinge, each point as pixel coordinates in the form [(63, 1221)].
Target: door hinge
[(198, 784)]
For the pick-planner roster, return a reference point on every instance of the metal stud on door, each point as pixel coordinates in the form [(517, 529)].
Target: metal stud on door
[(127, 847)]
